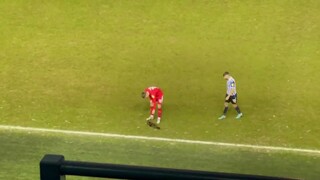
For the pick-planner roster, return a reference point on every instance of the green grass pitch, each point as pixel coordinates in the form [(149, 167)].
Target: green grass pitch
[(81, 65)]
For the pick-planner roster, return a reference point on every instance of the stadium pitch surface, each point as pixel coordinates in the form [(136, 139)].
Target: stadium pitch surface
[(32, 143), (81, 65)]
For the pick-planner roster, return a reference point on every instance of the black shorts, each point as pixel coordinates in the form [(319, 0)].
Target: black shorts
[(232, 99)]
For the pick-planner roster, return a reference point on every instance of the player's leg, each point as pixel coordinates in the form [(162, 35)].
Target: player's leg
[(159, 113), (226, 107), (236, 107), (160, 101), (225, 110), (152, 110)]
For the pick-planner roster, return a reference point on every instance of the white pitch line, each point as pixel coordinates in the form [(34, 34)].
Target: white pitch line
[(83, 133)]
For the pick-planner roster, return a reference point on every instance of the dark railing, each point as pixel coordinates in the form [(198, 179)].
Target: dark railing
[(54, 167)]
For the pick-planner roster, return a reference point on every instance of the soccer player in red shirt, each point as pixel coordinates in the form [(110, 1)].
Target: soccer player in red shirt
[(155, 95)]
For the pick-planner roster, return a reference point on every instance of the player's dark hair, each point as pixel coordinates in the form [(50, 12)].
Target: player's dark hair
[(143, 94), (226, 73)]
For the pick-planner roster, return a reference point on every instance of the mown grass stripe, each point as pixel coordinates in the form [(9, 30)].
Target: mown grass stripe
[(83, 133)]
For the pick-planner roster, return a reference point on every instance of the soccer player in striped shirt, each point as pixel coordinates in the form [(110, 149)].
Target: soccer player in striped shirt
[(231, 96)]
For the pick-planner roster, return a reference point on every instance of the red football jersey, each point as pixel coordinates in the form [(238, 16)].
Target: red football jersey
[(155, 94)]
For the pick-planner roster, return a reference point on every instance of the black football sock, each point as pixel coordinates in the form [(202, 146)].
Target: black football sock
[(225, 110), (238, 109)]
